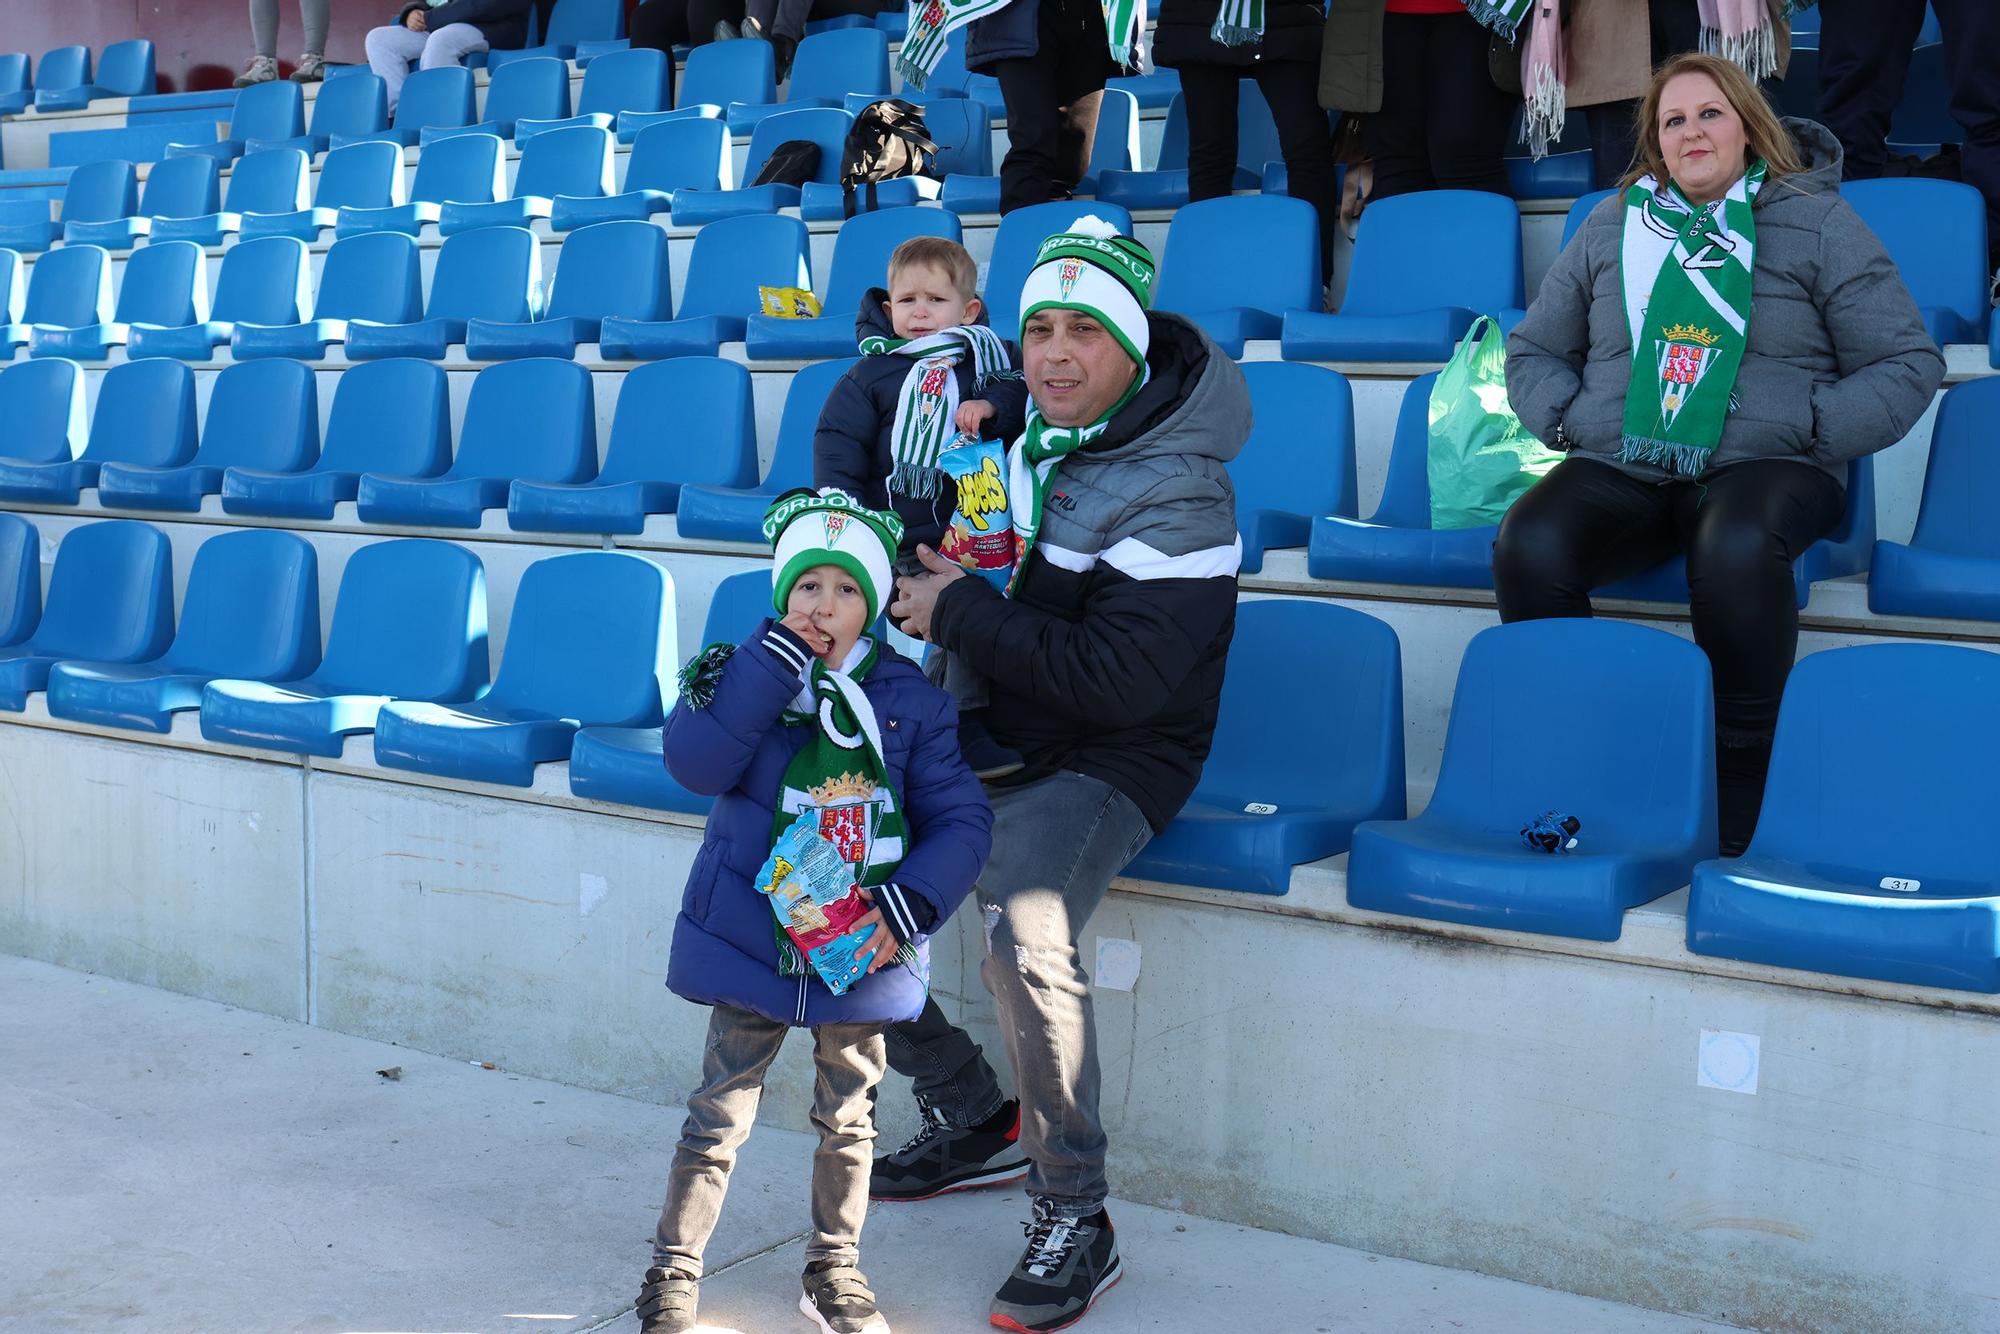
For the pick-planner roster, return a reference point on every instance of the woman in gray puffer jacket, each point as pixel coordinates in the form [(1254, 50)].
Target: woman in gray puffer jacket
[(1728, 437)]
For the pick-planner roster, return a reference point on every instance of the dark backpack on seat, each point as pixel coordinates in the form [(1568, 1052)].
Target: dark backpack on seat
[(794, 162), (888, 140)]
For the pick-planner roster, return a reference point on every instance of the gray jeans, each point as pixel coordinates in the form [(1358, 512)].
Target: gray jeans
[(392, 47), (1057, 843), (848, 1059)]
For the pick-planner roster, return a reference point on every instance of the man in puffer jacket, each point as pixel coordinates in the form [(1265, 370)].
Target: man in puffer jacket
[(436, 33)]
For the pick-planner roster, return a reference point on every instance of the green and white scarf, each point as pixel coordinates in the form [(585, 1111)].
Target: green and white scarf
[(1502, 16), (1239, 23), (929, 400), (933, 21), (1032, 463), (1687, 274)]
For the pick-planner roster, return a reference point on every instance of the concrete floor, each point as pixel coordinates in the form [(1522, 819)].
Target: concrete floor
[(172, 1164)]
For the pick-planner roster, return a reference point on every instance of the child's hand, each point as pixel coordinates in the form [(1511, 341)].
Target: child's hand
[(417, 21), (880, 948), (972, 414), (801, 624)]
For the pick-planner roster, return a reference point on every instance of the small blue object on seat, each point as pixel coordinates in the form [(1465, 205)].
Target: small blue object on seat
[(1852, 871), (273, 181), (441, 96), (1299, 459), (713, 443), (125, 70), (494, 273), (263, 282), (860, 261), (615, 83), (145, 415), (409, 623), (1630, 752), (1951, 566), (389, 417), (261, 414), (1396, 544), (111, 599), (166, 285), (1427, 265), (826, 67), (534, 419), (350, 108), (251, 612), (1166, 186), (42, 404), (721, 73), (1237, 302), (1935, 233), (468, 169), (531, 91), (575, 162), (591, 642), (625, 764), (176, 188), (826, 127), (676, 155), (20, 579), (371, 278), (611, 269), (273, 111), (736, 514), (70, 288), (1282, 786), (730, 261), (361, 176), (1019, 235)]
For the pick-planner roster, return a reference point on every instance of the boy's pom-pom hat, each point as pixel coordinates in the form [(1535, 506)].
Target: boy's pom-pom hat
[(830, 527), (1092, 268)]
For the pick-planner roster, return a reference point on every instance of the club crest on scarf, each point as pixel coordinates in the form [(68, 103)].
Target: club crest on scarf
[(1685, 357), (850, 808)]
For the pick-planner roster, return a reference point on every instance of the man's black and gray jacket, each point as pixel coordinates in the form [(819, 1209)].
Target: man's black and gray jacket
[(1108, 659)]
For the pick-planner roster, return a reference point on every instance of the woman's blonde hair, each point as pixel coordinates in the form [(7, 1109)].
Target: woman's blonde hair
[(1765, 137)]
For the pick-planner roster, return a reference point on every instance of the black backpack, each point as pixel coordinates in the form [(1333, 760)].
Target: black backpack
[(888, 140), (794, 162)]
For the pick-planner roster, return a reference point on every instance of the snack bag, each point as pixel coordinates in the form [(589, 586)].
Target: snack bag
[(813, 893), (788, 303), (981, 535)]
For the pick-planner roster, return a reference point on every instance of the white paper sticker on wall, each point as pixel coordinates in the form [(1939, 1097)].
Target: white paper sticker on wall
[(590, 891), (1117, 963), (48, 551), (1727, 1060)]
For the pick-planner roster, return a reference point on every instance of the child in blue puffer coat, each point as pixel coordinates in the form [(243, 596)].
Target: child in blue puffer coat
[(810, 712)]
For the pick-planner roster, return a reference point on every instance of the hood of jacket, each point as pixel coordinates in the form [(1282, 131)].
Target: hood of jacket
[(1196, 402), (1820, 152)]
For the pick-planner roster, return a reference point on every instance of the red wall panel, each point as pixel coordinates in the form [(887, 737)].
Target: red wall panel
[(198, 43)]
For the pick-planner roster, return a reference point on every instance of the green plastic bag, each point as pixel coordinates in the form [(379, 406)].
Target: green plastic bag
[(1481, 457)]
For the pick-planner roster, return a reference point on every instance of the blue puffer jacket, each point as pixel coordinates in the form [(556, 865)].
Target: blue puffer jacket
[(736, 749)]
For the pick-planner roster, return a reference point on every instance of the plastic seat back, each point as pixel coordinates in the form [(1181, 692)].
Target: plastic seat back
[(70, 288), (436, 97), (1854, 716), (276, 180), (13, 287), (963, 131), (1299, 458), (733, 257), (166, 284), (707, 398), (633, 80), (264, 281), (1116, 145), (364, 175), (275, 109), (251, 610), (1406, 488), (262, 414), (111, 594), (351, 104), (489, 273), (1582, 209), (182, 187), (613, 268), (825, 126), (574, 161), (591, 638), (391, 417), (374, 276), (719, 73), (734, 609), (573, 21), (791, 456), (101, 191), (464, 169), (1437, 248), (690, 154), (64, 67), (1935, 231), (1172, 155), (409, 621), (532, 89), (145, 414), (534, 419), (1961, 492), (42, 404), (14, 73), (830, 65), (1282, 232), (20, 578), (1020, 234), (126, 69), (861, 250)]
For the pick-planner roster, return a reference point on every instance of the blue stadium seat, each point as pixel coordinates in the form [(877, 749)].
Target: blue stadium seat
[(97, 192), (1869, 860), (263, 282), (1299, 459), (274, 111), (1630, 753), (1935, 231), (827, 67), (1951, 566), (20, 578), (1020, 234), (536, 91), (261, 414), (372, 278), (28, 225), (277, 180), (625, 764), (713, 443), (621, 81), (494, 273), (431, 97), (1152, 91), (575, 163), (360, 176), (736, 514), (824, 126), (676, 155), (591, 642), (718, 74), (165, 286), (963, 132), (1116, 148), (1993, 341), (17, 85), (1284, 786), (614, 268), (730, 261), (570, 22), (588, 52), (1396, 544), (13, 287), (534, 419), (251, 611), (1582, 209), (145, 415), (124, 70), (42, 404), (62, 69), (468, 169), (409, 623), (111, 599), (1426, 265), (860, 261), (350, 108), (391, 417), (1564, 172), (1234, 302), (70, 288), (177, 188), (1166, 186)]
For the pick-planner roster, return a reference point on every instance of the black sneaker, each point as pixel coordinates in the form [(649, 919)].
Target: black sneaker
[(1068, 1265), (837, 1299), (940, 1158), (987, 758), (666, 1302)]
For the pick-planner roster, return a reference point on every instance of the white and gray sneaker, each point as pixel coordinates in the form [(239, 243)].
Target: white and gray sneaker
[(1070, 1262), (311, 69), (837, 1299), (261, 69)]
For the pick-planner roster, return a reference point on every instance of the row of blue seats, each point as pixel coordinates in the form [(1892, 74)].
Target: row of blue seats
[(63, 82)]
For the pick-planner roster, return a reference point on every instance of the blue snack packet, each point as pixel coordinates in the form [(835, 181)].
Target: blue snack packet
[(981, 534), (813, 893)]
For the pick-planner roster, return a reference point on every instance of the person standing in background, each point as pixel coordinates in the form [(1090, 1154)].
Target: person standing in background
[(1052, 58), (263, 66)]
